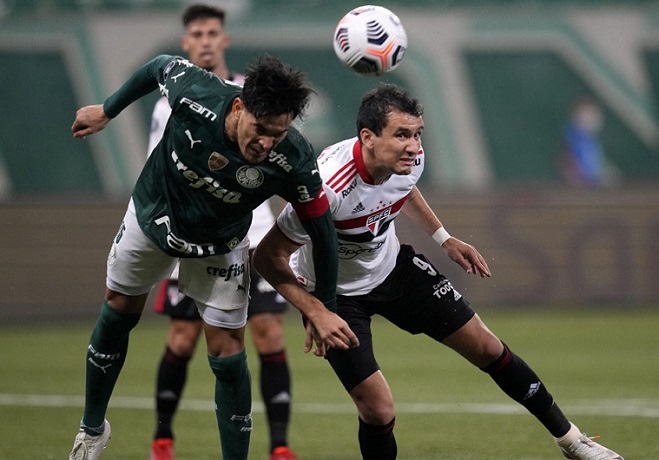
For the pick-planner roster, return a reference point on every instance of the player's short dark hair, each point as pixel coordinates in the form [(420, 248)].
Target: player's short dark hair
[(379, 102), (202, 11), (274, 88)]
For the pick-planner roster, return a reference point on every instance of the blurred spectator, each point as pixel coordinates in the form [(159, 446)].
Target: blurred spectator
[(583, 162)]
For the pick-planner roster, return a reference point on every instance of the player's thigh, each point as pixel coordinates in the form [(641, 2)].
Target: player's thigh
[(421, 300), (135, 264), (354, 365), (220, 286), (267, 331)]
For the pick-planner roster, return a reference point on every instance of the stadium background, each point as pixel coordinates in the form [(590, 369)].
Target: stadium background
[(496, 78)]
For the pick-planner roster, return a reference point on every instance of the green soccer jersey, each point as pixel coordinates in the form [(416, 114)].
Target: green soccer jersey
[(195, 194)]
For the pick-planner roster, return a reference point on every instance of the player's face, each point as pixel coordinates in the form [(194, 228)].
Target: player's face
[(396, 149), (256, 137), (205, 42)]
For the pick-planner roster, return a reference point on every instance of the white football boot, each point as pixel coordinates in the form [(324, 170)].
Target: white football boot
[(87, 447), (576, 445)]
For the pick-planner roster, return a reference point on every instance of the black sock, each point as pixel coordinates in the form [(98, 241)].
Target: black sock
[(518, 381), (276, 391), (171, 380), (377, 442)]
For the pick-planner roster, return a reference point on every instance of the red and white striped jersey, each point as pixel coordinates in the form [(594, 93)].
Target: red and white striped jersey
[(363, 215)]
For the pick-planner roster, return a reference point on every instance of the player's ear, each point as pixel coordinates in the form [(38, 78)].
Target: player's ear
[(184, 43), (237, 105), (366, 136)]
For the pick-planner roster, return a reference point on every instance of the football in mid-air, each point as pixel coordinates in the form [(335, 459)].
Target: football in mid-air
[(370, 40)]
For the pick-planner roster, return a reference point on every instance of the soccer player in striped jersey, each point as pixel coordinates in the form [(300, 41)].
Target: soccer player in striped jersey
[(225, 150), (369, 180)]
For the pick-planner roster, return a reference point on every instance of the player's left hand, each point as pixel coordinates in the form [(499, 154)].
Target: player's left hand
[(467, 257)]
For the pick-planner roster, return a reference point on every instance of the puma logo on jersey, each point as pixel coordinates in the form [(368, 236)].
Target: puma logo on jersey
[(192, 141), (174, 77)]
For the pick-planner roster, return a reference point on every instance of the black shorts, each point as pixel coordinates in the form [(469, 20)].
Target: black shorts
[(415, 297), (262, 299)]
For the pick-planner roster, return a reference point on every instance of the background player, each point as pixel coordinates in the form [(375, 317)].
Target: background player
[(205, 40), (369, 180)]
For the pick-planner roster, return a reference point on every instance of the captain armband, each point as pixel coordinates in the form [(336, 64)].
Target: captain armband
[(441, 235)]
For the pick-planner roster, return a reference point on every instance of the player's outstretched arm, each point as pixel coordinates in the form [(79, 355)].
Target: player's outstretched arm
[(271, 261), (89, 120), (465, 255)]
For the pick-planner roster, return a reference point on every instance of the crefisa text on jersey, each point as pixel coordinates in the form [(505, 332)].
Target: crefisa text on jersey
[(233, 270)]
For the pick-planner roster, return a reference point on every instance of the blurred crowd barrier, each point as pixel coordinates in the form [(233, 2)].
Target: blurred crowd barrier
[(549, 247)]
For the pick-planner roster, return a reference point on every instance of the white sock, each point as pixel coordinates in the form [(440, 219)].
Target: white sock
[(568, 438)]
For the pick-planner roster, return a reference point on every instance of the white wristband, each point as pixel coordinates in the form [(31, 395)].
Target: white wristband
[(441, 235)]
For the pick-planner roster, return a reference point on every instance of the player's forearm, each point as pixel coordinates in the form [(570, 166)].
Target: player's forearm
[(418, 210), (272, 265), (325, 258), (141, 83)]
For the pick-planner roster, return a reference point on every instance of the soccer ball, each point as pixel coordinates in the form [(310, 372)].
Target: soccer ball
[(370, 40)]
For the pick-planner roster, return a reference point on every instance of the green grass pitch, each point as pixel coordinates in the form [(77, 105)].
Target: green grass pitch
[(602, 366)]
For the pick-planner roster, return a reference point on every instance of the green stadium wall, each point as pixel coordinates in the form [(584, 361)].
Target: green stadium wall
[(496, 82)]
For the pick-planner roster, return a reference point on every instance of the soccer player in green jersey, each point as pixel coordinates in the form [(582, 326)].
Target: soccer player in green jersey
[(225, 150)]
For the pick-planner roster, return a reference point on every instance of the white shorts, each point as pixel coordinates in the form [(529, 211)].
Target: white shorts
[(218, 284)]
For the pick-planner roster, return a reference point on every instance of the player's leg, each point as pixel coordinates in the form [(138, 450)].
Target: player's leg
[(517, 379), (266, 323), (184, 331), (172, 372), (233, 395), (360, 375), (482, 348), (377, 417), (222, 301), (134, 266)]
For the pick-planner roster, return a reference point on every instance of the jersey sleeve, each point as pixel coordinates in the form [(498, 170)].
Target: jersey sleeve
[(159, 118), (290, 225), (142, 82), (325, 252)]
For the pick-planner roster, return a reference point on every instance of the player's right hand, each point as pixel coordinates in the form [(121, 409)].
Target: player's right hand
[(89, 120), (329, 330)]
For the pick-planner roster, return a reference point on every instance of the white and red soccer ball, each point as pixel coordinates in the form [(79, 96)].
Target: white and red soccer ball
[(370, 40)]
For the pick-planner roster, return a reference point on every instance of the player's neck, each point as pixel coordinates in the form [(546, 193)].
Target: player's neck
[(378, 172), (222, 71)]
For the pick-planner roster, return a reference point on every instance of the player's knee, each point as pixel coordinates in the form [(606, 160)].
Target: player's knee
[(376, 411), (230, 368), (374, 400)]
